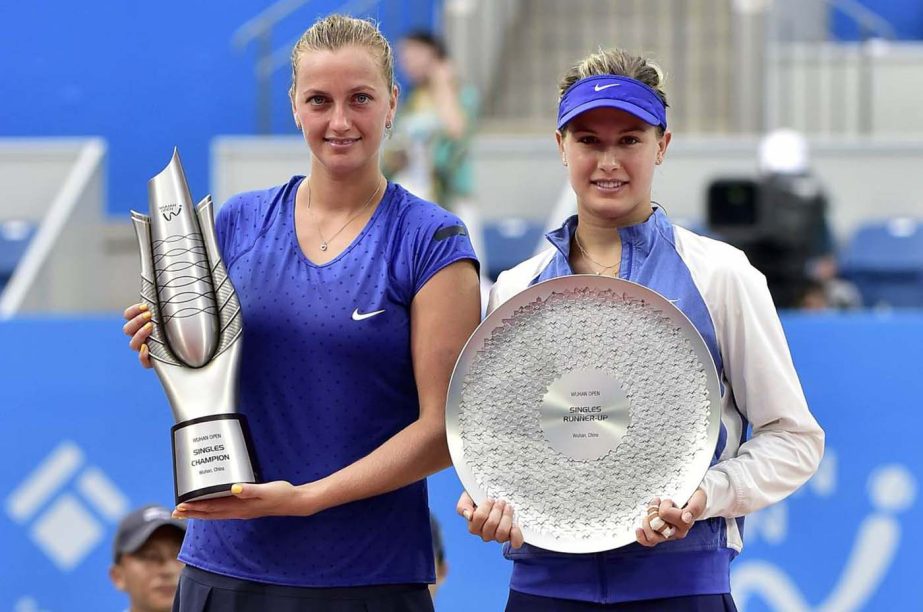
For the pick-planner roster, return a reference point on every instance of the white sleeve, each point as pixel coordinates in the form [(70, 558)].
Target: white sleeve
[(516, 279), (495, 297), (787, 443)]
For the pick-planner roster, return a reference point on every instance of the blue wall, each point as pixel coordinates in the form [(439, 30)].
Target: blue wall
[(905, 16), (147, 76), (70, 384)]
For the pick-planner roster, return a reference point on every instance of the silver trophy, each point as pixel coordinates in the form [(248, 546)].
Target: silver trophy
[(196, 339), (579, 400)]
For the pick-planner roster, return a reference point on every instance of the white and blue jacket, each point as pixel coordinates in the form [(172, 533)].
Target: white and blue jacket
[(769, 443)]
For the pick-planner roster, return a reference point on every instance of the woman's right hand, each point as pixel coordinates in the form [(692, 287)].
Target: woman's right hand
[(492, 520), (138, 326)]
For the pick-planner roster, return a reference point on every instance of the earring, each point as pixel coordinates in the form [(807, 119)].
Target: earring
[(564, 160), (388, 124)]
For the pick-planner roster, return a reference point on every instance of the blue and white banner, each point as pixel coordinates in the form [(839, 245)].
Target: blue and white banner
[(850, 539), (84, 436)]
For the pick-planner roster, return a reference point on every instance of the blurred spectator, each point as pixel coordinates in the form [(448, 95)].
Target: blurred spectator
[(429, 150), (429, 153), (442, 567), (145, 565)]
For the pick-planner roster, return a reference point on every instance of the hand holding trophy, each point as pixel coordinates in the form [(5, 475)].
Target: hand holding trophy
[(196, 337)]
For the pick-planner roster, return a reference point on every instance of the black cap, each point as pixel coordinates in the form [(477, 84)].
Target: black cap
[(138, 525)]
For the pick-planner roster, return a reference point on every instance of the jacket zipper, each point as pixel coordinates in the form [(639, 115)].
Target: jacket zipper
[(628, 260), (603, 587)]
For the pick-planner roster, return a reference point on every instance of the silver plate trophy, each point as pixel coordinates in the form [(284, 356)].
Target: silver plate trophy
[(196, 340), (578, 401)]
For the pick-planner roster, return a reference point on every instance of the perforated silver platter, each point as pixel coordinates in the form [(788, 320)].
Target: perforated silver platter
[(577, 401)]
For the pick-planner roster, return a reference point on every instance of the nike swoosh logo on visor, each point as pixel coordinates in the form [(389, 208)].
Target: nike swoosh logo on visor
[(357, 316), (597, 87)]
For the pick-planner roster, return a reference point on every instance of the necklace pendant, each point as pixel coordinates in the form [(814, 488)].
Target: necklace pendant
[(323, 246)]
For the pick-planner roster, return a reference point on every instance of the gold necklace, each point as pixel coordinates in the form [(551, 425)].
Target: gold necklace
[(587, 255), (324, 242)]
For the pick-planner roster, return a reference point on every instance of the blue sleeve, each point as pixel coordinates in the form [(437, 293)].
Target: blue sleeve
[(223, 230), (239, 222), (438, 238)]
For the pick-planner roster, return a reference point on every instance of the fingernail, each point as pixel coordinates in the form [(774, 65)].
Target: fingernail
[(149, 325), (237, 489), (657, 523), (467, 515), (181, 508), (144, 349), (687, 517), (176, 515), (142, 306), (147, 314)]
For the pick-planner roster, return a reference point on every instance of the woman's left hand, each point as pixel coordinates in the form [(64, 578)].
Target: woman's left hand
[(669, 521), (278, 498)]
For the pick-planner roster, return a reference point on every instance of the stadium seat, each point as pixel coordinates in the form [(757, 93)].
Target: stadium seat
[(885, 261), (14, 238), (510, 241)]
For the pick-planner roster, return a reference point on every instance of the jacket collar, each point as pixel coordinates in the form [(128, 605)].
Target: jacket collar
[(640, 236)]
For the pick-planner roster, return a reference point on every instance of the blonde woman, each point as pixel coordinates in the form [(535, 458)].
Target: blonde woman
[(612, 134), (357, 297)]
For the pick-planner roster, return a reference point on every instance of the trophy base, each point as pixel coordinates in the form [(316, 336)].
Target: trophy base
[(210, 454)]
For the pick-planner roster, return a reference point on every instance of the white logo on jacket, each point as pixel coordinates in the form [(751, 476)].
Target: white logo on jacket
[(357, 316)]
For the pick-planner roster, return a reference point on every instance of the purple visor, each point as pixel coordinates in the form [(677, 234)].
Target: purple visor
[(612, 91)]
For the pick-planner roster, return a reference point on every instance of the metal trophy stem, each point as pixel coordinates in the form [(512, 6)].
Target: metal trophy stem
[(196, 339)]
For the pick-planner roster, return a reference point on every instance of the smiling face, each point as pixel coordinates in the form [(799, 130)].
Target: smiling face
[(610, 156), (342, 102)]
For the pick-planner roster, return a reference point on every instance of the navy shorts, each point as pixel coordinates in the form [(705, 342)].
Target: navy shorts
[(521, 602), (201, 591)]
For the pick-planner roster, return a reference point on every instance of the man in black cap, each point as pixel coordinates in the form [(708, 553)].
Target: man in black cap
[(144, 563)]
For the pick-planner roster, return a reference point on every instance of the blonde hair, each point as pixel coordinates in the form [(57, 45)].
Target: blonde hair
[(619, 62), (335, 32)]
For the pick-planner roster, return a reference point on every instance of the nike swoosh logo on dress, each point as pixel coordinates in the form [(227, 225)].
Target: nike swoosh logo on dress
[(357, 316)]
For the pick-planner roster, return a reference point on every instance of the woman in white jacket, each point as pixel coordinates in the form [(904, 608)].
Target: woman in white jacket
[(611, 134)]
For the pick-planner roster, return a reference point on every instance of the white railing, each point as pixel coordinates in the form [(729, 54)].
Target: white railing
[(259, 28), (269, 60), (62, 268)]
